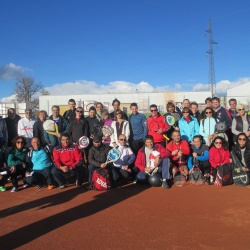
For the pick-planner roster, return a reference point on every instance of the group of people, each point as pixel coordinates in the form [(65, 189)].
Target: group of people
[(146, 145)]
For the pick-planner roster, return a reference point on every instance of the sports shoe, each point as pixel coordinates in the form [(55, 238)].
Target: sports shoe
[(39, 186), (13, 190), (165, 185), (62, 186), (89, 187), (50, 187), (2, 188), (25, 185)]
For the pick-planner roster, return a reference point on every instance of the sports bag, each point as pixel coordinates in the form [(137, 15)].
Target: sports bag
[(224, 175), (101, 180), (240, 177)]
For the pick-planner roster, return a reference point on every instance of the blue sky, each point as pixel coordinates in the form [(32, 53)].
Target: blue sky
[(123, 44)]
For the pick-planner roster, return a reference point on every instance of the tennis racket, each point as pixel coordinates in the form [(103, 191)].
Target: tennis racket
[(113, 155), (50, 127)]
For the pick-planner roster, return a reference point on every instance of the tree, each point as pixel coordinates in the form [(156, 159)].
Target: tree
[(28, 91)]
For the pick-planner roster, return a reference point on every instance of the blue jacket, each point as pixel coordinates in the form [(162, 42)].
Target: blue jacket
[(138, 124), (207, 127), (188, 129), (202, 158)]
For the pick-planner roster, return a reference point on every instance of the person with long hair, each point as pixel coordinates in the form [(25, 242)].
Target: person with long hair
[(207, 126), (120, 126), (218, 155), (242, 151), (38, 130), (17, 160), (241, 123)]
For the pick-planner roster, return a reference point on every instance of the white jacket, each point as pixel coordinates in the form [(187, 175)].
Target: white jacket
[(125, 131)]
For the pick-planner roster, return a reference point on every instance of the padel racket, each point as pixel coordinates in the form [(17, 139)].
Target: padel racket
[(50, 127), (107, 130), (96, 130), (83, 142), (170, 120), (113, 155)]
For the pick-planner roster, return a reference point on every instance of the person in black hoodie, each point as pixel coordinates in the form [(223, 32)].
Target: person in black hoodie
[(242, 150), (38, 130)]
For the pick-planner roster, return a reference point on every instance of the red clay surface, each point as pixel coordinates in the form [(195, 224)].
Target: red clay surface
[(130, 217)]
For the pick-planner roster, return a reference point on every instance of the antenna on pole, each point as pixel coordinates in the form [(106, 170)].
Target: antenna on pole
[(211, 42)]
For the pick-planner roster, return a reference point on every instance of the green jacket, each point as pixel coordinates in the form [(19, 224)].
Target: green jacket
[(15, 157)]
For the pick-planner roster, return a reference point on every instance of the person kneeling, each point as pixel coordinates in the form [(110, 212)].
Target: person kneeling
[(41, 163), (153, 158), (69, 162), (122, 167)]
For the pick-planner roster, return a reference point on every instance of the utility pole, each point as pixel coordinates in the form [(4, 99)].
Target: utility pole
[(211, 42)]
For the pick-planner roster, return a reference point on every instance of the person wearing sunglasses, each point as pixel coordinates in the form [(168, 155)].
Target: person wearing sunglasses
[(25, 126), (207, 126), (122, 168), (17, 161), (188, 125), (78, 126), (156, 126), (120, 126), (116, 105), (242, 151), (241, 123), (218, 155)]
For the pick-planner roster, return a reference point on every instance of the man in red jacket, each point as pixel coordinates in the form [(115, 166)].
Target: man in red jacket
[(68, 160), (143, 161), (179, 152), (156, 126)]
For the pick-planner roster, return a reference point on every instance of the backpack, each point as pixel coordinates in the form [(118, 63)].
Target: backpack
[(101, 180), (240, 177), (196, 177), (224, 175)]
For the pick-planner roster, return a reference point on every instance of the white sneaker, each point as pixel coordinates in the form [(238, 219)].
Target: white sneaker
[(13, 190)]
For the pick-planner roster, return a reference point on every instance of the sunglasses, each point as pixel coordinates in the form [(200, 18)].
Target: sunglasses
[(153, 110), (118, 113), (79, 111), (97, 142), (241, 109), (122, 139), (242, 139), (185, 112), (19, 142), (208, 112), (218, 142)]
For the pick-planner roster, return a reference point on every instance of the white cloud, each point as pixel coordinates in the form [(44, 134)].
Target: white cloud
[(11, 71), (222, 86), (8, 99)]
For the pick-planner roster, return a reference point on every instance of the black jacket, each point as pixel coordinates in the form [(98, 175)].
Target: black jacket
[(78, 128), (12, 128), (237, 151), (38, 131), (97, 156)]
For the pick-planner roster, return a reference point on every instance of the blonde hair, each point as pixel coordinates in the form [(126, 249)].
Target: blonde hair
[(240, 106)]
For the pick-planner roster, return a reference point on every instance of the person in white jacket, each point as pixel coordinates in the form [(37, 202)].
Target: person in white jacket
[(207, 126), (25, 126), (120, 126)]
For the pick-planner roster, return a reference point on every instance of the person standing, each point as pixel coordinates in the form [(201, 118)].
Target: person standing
[(25, 126), (70, 114), (12, 125), (38, 130), (116, 105), (138, 128), (233, 111), (3, 132)]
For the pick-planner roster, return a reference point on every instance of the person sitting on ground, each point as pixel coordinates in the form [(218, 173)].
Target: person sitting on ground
[(218, 155), (68, 161), (200, 155), (17, 161), (161, 162), (123, 166), (179, 153), (41, 162), (97, 157)]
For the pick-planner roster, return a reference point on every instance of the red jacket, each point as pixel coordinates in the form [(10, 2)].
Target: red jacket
[(183, 146), (154, 123), (218, 156), (140, 161), (67, 156)]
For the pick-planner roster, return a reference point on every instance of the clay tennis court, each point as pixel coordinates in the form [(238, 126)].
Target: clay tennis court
[(130, 217)]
